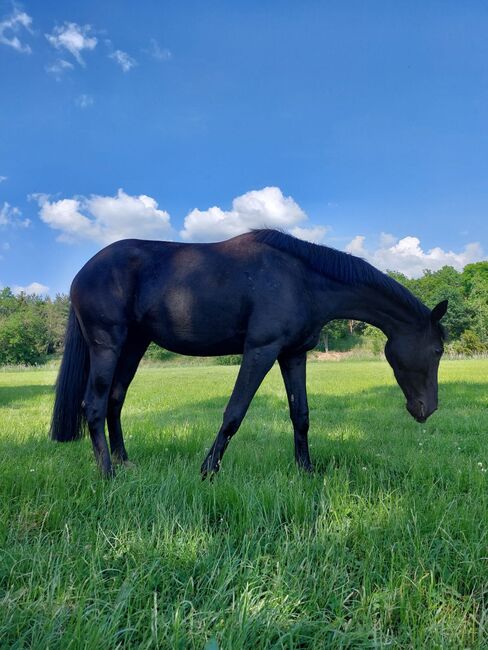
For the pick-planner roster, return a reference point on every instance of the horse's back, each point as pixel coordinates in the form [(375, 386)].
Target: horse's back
[(192, 298)]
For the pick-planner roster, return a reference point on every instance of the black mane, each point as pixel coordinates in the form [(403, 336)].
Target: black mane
[(339, 266)]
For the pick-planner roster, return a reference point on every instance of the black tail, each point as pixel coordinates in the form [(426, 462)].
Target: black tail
[(68, 422)]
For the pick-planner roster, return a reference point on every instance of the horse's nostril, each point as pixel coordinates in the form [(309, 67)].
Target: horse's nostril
[(422, 408)]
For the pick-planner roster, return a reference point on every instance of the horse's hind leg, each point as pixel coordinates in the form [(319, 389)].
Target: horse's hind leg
[(103, 360), (129, 359)]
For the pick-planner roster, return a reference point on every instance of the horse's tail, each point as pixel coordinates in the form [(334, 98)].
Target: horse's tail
[(68, 422)]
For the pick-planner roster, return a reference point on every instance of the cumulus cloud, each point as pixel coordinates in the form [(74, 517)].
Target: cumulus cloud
[(11, 26), (407, 256), (34, 288), (123, 59), (12, 216), (105, 219), (356, 246), (255, 209), (58, 68), (72, 38), (314, 234), (387, 240)]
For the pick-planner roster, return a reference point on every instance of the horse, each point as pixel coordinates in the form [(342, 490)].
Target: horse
[(263, 294)]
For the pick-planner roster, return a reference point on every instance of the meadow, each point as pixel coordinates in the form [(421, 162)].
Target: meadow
[(384, 545)]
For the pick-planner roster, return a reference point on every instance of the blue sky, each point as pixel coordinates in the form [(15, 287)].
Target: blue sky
[(360, 125)]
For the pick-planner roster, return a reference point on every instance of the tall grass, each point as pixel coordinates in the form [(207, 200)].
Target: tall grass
[(385, 545)]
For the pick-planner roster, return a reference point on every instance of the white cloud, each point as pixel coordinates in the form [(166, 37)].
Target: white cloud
[(105, 219), (12, 25), (266, 208), (159, 53), (58, 68), (387, 240), (315, 234), (125, 61), (73, 38), (34, 288), (12, 216), (84, 101), (3, 178), (407, 256), (356, 246)]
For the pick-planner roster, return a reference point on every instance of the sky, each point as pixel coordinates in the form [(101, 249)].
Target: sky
[(359, 125)]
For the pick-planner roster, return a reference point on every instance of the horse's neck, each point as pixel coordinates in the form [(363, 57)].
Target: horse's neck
[(372, 305)]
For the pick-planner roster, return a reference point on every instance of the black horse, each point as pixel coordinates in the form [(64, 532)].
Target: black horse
[(264, 294)]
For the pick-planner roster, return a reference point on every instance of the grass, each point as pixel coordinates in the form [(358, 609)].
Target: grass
[(385, 545)]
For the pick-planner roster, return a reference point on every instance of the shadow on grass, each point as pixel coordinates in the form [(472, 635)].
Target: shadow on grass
[(354, 428), (12, 394), (363, 422)]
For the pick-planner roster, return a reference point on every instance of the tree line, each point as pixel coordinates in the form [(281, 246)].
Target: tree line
[(32, 327)]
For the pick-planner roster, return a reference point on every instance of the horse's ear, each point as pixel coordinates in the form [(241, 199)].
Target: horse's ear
[(439, 311)]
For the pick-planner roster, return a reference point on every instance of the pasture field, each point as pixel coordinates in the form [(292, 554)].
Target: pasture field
[(385, 545)]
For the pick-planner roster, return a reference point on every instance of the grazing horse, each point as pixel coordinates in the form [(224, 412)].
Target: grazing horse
[(265, 295)]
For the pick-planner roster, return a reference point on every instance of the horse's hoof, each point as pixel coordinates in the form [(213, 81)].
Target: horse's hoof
[(306, 467), (116, 460), (209, 469)]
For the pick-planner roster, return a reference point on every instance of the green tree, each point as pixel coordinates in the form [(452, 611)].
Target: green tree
[(23, 337), (56, 316), (8, 302), (375, 339), (469, 343), (475, 283), (434, 286), (340, 335), (474, 273)]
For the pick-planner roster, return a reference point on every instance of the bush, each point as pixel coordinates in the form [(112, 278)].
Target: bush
[(23, 338), (374, 339), (469, 343), (155, 353), (229, 360)]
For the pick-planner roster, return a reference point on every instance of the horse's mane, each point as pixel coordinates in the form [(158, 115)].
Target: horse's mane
[(339, 266)]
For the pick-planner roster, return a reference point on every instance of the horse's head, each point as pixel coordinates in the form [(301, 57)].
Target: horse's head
[(414, 357)]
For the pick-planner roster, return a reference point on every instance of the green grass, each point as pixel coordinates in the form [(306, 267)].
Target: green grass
[(385, 545)]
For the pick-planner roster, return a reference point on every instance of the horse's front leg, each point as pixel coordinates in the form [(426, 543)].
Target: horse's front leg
[(255, 364), (293, 369)]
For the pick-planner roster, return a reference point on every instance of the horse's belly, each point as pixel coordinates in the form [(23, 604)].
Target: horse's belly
[(204, 343), (199, 319)]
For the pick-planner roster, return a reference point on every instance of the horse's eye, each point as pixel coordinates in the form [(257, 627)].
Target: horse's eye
[(438, 351)]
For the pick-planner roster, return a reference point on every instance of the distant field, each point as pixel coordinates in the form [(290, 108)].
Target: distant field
[(386, 544)]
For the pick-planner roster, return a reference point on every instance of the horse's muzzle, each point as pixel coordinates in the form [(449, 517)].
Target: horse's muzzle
[(419, 411)]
